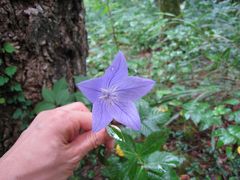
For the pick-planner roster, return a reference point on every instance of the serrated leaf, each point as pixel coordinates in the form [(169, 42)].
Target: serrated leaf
[(235, 116), (161, 160), (41, 106), (128, 146), (60, 85), (48, 95), (208, 120), (170, 175), (8, 47), (131, 168), (62, 97), (154, 142), (231, 135), (149, 127), (235, 131), (10, 71)]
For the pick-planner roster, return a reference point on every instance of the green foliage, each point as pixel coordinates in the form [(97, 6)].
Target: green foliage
[(11, 93), (8, 48), (57, 96), (196, 69), (230, 135), (202, 115), (142, 160), (10, 71)]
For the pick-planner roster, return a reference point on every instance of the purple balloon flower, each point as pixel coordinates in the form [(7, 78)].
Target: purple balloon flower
[(113, 95)]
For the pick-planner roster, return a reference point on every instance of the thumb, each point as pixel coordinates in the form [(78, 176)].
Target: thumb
[(88, 141)]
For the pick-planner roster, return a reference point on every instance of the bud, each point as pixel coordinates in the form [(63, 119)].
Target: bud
[(238, 150), (119, 151)]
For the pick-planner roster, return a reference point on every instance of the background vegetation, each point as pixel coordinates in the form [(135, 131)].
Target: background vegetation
[(191, 120)]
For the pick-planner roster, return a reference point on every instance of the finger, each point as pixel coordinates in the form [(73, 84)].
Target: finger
[(88, 141), (78, 106), (79, 120), (71, 122), (110, 144)]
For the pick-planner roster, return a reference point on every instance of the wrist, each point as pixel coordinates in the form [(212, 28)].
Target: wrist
[(11, 164), (8, 168)]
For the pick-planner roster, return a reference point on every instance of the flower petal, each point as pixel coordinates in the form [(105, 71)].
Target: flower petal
[(101, 117), (116, 71), (91, 88), (126, 113), (133, 88)]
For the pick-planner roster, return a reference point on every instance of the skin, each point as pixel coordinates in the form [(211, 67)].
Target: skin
[(52, 146)]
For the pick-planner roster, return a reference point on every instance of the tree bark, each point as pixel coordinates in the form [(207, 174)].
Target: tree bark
[(51, 43)]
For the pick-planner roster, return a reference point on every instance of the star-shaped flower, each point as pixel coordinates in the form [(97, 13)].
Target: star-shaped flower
[(113, 95)]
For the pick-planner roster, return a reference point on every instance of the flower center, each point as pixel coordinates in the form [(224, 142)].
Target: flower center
[(109, 95)]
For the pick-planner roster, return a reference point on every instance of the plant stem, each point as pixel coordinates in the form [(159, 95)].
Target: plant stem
[(112, 26)]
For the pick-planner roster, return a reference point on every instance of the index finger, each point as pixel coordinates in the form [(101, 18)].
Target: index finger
[(81, 120), (72, 122), (74, 106)]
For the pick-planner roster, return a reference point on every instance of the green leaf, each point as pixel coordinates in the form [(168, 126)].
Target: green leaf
[(48, 95), (60, 85), (21, 98), (209, 119), (131, 167), (16, 87), (115, 133), (149, 126), (226, 54), (231, 135), (161, 93), (229, 152), (235, 116), (17, 113), (232, 101), (3, 80), (221, 110), (78, 79), (41, 106), (62, 97), (2, 101), (128, 146), (141, 173), (10, 71), (154, 142), (79, 97), (170, 174), (195, 111), (235, 131), (8, 47), (161, 160)]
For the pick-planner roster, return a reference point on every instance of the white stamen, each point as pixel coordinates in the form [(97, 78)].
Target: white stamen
[(109, 95)]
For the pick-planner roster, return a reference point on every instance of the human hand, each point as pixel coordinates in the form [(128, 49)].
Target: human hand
[(52, 146)]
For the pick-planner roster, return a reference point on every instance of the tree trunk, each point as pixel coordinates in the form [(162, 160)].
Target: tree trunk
[(51, 43)]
